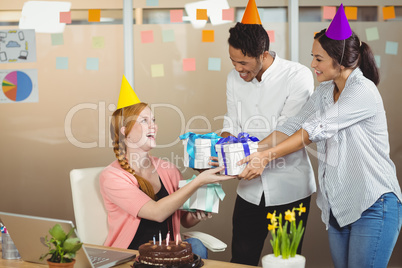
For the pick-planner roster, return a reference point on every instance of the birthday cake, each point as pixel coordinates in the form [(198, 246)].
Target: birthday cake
[(165, 255)]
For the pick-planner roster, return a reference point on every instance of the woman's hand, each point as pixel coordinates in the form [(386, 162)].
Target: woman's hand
[(211, 176), (256, 164), (201, 215)]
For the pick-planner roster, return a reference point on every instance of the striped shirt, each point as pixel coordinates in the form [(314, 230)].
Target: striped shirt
[(351, 134)]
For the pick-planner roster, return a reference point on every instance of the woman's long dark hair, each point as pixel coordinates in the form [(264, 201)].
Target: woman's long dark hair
[(351, 53)]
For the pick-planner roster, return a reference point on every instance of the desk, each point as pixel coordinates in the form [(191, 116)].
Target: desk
[(22, 264)]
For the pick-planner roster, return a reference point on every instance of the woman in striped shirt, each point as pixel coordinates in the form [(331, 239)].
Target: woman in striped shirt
[(359, 193)]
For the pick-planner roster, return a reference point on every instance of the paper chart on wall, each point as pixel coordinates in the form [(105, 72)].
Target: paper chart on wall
[(19, 86), (17, 46)]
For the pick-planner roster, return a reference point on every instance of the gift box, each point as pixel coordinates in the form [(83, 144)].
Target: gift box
[(233, 149), (198, 149), (206, 198)]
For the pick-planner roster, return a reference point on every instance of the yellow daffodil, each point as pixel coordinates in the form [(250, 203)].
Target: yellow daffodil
[(290, 215), (301, 209), (292, 232), (272, 217), (272, 227)]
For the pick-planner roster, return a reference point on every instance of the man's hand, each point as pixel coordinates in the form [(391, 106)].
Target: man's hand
[(256, 164), (214, 161)]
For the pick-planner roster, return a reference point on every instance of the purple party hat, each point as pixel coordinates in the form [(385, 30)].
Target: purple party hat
[(339, 29)]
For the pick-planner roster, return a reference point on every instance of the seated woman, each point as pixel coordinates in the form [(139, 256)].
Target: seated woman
[(140, 191)]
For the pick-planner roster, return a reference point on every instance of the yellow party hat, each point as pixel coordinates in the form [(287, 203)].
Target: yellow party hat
[(251, 15), (127, 95)]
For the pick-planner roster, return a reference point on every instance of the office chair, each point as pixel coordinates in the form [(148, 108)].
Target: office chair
[(89, 211), (91, 215)]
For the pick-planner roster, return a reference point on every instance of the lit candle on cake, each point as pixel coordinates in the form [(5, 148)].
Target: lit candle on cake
[(160, 238), (154, 240), (167, 238)]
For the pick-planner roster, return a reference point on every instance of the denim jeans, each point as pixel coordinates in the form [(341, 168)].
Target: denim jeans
[(369, 241), (198, 247)]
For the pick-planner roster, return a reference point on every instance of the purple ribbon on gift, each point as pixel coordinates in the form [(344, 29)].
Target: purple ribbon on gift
[(242, 137)]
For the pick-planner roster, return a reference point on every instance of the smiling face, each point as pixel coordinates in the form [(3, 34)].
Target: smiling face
[(323, 64), (143, 132), (248, 67)]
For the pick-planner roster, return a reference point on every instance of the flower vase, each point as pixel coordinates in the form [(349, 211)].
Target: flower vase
[(270, 261)]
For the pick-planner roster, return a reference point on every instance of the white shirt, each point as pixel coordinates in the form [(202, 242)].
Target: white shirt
[(352, 146), (257, 108)]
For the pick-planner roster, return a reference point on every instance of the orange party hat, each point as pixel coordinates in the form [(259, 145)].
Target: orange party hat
[(127, 95), (251, 15)]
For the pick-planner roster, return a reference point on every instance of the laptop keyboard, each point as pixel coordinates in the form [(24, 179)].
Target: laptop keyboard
[(97, 260)]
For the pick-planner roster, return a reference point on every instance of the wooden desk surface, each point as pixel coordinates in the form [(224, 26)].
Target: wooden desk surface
[(22, 264)]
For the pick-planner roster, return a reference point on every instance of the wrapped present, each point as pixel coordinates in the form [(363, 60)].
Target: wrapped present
[(198, 149), (206, 198), (233, 149)]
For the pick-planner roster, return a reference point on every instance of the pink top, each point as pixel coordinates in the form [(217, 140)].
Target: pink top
[(123, 200)]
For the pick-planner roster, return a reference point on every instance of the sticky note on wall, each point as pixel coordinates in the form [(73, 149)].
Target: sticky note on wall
[(189, 64), (92, 64), (98, 42), (176, 16), (214, 64), (152, 3), (61, 63), (65, 17), (391, 48), (351, 13), (168, 36), (157, 70), (377, 59), (147, 36), (372, 34), (94, 15), (271, 35), (57, 39), (328, 13), (202, 14), (208, 36), (388, 13), (228, 14)]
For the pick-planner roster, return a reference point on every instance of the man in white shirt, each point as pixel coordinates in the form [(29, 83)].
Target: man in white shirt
[(263, 91)]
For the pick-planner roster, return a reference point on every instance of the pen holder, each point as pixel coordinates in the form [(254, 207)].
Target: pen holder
[(9, 251)]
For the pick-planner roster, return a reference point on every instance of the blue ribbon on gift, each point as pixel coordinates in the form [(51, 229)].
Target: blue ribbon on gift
[(191, 143), (242, 137), (212, 189)]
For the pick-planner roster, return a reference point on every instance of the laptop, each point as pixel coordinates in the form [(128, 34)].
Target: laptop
[(23, 55), (28, 234)]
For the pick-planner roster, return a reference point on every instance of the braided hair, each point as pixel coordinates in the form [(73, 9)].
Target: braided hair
[(126, 117), (251, 39)]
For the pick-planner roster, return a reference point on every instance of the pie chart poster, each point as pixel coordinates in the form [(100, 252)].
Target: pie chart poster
[(19, 86)]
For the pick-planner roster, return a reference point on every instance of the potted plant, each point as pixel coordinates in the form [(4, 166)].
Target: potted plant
[(285, 242), (62, 247)]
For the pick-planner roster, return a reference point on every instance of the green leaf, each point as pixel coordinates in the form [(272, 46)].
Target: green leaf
[(58, 233), (72, 245)]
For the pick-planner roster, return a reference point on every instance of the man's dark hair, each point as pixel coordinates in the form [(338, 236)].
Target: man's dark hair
[(251, 39)]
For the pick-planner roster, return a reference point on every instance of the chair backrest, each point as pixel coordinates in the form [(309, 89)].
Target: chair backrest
[(89, 210)]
